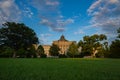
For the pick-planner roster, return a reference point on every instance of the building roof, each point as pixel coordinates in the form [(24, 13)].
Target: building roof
[(62, 38)]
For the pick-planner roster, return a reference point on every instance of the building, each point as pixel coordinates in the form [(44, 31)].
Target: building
[(46, 49), (63, 44), (36, 46)]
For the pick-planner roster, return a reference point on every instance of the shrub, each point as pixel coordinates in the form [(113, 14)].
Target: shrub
[(62, 56)]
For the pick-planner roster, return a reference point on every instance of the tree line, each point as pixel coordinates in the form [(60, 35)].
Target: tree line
[(17, 39)]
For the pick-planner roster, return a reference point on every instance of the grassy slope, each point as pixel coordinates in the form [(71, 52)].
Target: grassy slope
[(59, 69)]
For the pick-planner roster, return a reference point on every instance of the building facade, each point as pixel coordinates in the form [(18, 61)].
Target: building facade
[(46, 49), (63, 44)]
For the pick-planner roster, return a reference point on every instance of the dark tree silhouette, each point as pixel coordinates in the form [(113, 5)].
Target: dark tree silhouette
[(17, 36), (115, 47), (54, 50)]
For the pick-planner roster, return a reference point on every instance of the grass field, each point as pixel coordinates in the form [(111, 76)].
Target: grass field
[(59, 69)]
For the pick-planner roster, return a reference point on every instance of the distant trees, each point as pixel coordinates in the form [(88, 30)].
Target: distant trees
[(115, 47), (17, 37), (72, 50), (91, 45), (54, 50)]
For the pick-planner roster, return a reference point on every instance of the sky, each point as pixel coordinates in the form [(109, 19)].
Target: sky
[(72, 18)]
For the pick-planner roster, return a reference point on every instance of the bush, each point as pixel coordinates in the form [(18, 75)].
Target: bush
[(43, 55), (62, 56)]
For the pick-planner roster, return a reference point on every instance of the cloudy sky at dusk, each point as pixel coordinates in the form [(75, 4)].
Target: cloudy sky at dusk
[(72, 18)]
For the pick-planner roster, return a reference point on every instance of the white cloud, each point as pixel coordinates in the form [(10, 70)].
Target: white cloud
[(63, 23), (52, 3), (94, 5), (50, 15), (80, 31), (69, 21), (58, 25), (114, 1), (9, 11), (44, 38), (27, 12), (45, 22), (105, 15)]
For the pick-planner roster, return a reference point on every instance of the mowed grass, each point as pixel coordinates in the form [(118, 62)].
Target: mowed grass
[(59, 69)]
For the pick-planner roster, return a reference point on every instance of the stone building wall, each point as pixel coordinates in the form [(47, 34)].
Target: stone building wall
[(62, 43)]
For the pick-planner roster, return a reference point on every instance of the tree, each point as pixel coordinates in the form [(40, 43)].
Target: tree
[(91, 44), (118, 33), (41, 52), (54, 50), (73, 50), (17, 36), (6, 51), (31, 52), (115, 47)]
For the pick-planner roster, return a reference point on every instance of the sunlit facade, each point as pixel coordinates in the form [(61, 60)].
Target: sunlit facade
[(46, 49), (63, 44)]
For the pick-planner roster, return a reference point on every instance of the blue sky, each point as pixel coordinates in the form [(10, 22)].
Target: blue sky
[(72, 18)]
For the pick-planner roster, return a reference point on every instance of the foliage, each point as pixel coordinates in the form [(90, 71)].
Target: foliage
[(57, 69), (21, 53), (6, 51), (118, 33), (17, 36), (41, 52), (91, 44), (62, 56), (73, 50), (30, 52), (115, 49), (54, 50)]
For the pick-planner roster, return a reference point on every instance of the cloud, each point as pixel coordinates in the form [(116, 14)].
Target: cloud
[(105, 15), (63, 23), (44, 38), (114, 1), (80, 31), (9, 11), (50, 15), (48, 12), (84, 29), (12, 11), (55, 3), (27, 12), (58, 25)]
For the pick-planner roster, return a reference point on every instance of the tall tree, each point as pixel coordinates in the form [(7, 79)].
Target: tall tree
[(54, 50), (91, 44), (16, 36), (73, 50), (115, 47)]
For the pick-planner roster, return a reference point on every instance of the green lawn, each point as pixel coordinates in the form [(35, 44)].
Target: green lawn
[(59, 69)]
